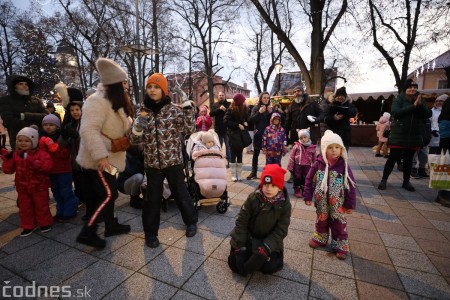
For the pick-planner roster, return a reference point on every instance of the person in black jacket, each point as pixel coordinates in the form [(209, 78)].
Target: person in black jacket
[(337, 116), (260, 117), (217, 112), (130, 180)]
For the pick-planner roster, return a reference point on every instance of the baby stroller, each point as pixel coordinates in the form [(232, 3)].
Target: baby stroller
[(207, 178)]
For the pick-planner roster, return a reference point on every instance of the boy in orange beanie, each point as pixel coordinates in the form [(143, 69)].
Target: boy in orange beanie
[(262, 224)]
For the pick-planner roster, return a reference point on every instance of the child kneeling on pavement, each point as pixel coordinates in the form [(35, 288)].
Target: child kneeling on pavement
[(261, 226)]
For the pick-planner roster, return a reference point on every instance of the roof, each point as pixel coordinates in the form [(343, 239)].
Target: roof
[(386, 95), (440, 62)]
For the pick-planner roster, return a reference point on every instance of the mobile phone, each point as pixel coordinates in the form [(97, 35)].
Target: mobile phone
[(113, 171)]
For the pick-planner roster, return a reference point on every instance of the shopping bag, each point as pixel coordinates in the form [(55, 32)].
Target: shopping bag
[(439, 171)]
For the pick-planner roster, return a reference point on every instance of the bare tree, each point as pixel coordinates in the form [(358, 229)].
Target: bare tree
[(324, 16), (9, 46)]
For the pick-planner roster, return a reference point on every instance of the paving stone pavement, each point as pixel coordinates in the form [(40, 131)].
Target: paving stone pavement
[(399, 243)]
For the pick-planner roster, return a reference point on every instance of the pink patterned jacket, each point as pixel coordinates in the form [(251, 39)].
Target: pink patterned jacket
[(301, 155)]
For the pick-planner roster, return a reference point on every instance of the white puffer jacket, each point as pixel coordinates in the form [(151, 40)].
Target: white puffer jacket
[(98, 117)]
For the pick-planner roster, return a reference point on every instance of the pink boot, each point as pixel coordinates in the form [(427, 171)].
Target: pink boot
[(298, 192)]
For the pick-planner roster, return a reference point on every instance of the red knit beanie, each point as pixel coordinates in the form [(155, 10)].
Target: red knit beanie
[(273, 174), (160, 81), (238, 99)]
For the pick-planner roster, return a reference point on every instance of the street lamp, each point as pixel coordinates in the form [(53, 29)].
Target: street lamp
[(140, 50), (278, 67)]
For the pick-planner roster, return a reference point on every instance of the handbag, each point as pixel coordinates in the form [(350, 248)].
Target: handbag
[(386, 133), (119, 144), (439, 171), (246, 138)]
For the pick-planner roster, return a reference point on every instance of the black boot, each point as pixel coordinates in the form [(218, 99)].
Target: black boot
[(382, 185), (253, 174), (415, 174), (408, 186), (423, 173), (88, 236), (136, 202), (115, 228)]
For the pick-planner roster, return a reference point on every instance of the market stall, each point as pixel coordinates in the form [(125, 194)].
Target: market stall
[(364, 135)]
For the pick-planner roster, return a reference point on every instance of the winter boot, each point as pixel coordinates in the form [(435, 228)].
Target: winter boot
[(238, 171), (114, 228), (382, 185), (233, 167), (88, 236), (253, 174), (423, 173), (298, 192), (414, 173), (136, 202), (408, 186)]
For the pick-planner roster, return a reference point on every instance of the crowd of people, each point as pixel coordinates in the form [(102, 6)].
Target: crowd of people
[(103, 145)]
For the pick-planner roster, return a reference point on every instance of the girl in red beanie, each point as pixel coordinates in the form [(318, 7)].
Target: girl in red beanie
[(261, 226)]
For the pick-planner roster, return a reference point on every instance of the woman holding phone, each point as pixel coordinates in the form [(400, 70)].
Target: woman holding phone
[(408, 111), (106, 116)]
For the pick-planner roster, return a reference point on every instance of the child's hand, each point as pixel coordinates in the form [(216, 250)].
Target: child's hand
[(308, 203), (348, 211), (5, 154)]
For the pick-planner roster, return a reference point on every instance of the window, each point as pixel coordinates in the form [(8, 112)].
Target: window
[(442, 84)]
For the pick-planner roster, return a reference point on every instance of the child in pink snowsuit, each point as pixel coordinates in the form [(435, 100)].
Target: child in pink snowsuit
[(303, 155), (204, 121)]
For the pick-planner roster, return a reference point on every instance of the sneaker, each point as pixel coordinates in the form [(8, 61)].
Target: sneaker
[(45, 229), (315, 244), (298, 192), (414, 173), (378, 155), (423, 173), (152, 242), (59, 219), (191, 230), (341, 255), (27, 232)]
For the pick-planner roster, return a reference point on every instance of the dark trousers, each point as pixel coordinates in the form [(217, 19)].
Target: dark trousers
[(151, 210), (274, 264), (256, 152), (236, 155), (395, 155), (103, 194), (300, 173), (66, 201), (81, 183), (223, 138)]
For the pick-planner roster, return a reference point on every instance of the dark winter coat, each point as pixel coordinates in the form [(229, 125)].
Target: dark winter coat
[(407, 121), (260, 122), (168, 124), (134, 164), (218, 116), (13, 105), (32, 172), (232, 122), (263, 221), (341, 127), (296, 118)]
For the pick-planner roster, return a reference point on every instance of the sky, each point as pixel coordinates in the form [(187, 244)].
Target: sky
[(373, 76)]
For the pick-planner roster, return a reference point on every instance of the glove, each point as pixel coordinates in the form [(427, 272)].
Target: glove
[(5, 154), (435, 133), (254, 263), (48, 144), (311, 119), (241, 256), (139, 125)]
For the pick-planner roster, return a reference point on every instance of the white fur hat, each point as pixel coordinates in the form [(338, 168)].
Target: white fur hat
[(30, 133), (330, 138), (109, 71), (387, 115)]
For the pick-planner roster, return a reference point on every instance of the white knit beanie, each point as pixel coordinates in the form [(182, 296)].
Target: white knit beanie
[(330, 138), (30, 133), (109, 71)]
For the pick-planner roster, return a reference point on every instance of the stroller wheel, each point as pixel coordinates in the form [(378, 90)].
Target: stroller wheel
[(222, 207)]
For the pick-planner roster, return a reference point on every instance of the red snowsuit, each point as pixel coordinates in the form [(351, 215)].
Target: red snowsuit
[(32, 183)]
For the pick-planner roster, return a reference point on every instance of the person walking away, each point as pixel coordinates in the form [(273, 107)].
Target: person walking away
[(338, 115), (236, 121), (20, 108), (31, 166), (303, 156), (408, 111), (217, 112), (274, 141), (61, 172), (261, 226), (383, 125), (106, 117), (158, 126), (260, 117), (331, 185), (435, 113), (204, 121)]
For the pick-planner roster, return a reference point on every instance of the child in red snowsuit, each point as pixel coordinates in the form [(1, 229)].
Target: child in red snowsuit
[(31, 166)]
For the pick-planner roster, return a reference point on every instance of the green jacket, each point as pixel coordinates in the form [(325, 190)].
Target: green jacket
[(407, 122), (262, 221)]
